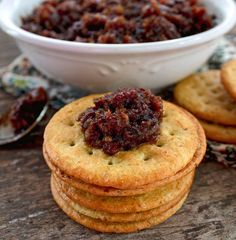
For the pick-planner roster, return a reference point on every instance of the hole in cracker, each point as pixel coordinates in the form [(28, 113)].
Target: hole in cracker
[(215, 91), (72, 144), (172, 133), (207, 102), (110, 163), (90, 152), (221, 98), (208, 84), (71, 124), (146, 158), (160, 144), (230, 108)]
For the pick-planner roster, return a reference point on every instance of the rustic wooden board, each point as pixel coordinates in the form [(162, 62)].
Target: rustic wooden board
[(27, 210)]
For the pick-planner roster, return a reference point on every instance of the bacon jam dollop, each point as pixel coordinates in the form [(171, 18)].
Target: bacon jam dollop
[(27, 108), (118, 21), (122, 120)]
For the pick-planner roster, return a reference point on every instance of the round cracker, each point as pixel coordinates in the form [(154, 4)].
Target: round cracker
[(204, 96), (228, 77), (130, 204), (104, 226), (219, 133), (146, 164), (108, 191)]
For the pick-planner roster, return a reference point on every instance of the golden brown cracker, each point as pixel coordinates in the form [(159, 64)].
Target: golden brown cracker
[(204, 96), (146, 164), (108, 191), (228, 77), (219, 133)]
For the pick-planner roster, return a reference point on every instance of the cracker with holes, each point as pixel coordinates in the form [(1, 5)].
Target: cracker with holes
[(204, 96), (130, 169), (127, 157), (228, 77)]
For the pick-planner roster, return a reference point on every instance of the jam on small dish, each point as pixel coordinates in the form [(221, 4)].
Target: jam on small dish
[(122, 120), (118, 21), (27, 108)]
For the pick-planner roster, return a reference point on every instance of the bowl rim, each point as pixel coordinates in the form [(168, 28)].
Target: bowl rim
[(8, 25)]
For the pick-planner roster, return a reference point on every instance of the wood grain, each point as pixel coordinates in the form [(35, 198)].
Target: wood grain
[(27, 210)]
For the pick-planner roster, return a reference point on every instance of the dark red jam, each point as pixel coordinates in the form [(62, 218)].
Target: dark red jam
[(118, 21), (122, 120), (26, 109)]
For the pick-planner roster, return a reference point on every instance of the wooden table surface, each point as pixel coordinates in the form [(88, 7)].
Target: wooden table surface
[(27, 210)]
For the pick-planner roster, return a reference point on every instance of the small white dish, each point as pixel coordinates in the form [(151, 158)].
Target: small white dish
[(105, 67)]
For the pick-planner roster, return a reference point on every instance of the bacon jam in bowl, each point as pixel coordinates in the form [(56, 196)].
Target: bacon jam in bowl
[(118, 21), (152, 44)]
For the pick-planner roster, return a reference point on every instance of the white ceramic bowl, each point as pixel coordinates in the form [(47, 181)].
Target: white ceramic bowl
[(104, 67)]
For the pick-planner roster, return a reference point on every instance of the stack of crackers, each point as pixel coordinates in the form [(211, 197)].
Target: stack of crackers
[(131, 190), (211, 97)]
